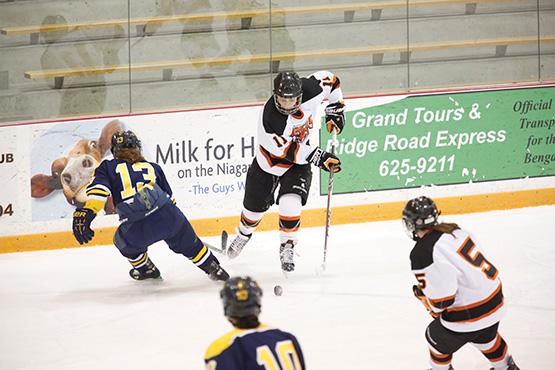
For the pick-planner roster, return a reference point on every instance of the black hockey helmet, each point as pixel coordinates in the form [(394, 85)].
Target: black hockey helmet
[(288, 88), (125, 139), (419, 213), (241, 297)]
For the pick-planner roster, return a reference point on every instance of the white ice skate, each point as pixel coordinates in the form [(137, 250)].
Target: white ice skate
[(286, 255), (237, 244)]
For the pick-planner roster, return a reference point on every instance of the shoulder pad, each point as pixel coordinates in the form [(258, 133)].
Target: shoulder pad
[(422, 255), (311, 88), (274, 122)]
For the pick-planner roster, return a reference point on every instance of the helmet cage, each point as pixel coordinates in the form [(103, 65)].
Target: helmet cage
[(287, 111), (288, 85), (419, 213)]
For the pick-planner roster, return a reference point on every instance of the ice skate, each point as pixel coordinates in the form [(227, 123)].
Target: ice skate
[(237, 244), (511, 364), (216, 272), (450, 368), (286, 255), (148, 271)]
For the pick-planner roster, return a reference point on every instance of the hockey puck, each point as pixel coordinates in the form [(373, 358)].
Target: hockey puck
[(278, 290)]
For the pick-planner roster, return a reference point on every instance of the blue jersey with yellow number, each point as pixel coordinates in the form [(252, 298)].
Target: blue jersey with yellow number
[(255, 349), (123, 180)]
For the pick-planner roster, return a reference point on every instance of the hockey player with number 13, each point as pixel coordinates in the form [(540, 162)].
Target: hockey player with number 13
[(148, 214), (284, 156)]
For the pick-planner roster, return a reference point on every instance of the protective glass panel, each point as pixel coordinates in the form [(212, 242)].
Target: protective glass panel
[(547, 40), (351, 39), (202, 53), (59, 58), (461, 43)]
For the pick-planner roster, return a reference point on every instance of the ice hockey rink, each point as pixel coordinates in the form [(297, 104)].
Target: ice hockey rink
[(78, 308)]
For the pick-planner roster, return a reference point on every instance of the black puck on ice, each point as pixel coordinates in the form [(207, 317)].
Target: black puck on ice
[(278, 290)]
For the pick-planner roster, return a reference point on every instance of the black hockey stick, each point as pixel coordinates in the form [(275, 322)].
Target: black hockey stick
[(328, 207), (224, 241)]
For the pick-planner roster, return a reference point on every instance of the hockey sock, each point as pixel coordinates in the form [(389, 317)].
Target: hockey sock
[(203, 258), (289, 216), (249, 221), (440, 361), (496, 352), (140, 263)]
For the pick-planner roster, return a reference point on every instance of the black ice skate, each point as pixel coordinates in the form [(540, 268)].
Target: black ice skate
[(148, 271), (286, 255), (216, 272), (237, 244), (511, 364)]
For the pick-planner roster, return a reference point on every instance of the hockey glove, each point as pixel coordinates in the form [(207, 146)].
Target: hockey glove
[(419, 293), (335, 119), (325, 160), (82, 218)]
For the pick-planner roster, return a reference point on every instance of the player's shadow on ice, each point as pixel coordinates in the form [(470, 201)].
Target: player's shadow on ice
[(136, 291)]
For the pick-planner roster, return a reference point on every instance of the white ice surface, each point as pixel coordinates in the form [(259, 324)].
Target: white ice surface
[(78, 308)]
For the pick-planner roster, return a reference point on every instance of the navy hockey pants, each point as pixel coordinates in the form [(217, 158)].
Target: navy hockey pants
[(168, 224)]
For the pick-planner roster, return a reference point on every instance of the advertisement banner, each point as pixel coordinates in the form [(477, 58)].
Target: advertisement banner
[(10, 162), (205, 156), (445, 139)]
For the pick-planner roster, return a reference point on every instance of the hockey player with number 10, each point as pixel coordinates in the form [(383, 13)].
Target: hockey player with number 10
[(459, 287), (285, 153), (251, 345)]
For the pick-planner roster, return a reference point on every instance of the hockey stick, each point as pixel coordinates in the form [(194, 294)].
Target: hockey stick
[(221, 250), (214, 249), (328, 207), (224, 241)]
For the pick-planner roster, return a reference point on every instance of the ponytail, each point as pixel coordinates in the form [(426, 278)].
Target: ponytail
[(445, 227), (130, 155)]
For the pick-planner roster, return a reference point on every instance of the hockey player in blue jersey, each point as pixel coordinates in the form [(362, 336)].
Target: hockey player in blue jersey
[(251, 345), (142, 197)]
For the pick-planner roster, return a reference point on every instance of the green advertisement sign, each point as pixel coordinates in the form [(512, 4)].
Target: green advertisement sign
[(446, 139)]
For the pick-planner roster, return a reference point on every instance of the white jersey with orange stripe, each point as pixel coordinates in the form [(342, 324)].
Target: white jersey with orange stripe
[(459, 281), (284, 140)]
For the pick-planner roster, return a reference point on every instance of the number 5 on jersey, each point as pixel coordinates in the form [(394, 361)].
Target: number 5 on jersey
[(477, 259)]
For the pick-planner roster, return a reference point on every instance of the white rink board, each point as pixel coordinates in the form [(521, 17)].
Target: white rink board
[(220, 141)]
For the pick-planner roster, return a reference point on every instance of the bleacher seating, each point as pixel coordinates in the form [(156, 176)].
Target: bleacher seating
[(224, 57), (245, 16), (377, 53)]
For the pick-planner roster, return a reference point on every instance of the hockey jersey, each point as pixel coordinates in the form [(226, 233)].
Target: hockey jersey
[(122, 181), (284, 140), (255, 349), (458, 280)]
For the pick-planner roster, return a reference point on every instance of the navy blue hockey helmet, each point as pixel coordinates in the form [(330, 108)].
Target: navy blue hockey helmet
[(419, 213), (125, 139), (288, 92), (241, 297)]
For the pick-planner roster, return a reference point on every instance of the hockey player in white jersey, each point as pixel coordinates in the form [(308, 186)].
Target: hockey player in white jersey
[(459, 287), (284, 155)]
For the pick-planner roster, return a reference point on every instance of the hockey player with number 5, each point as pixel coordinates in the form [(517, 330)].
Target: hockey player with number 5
[(284, 156), (142, 197), (459, 287)]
